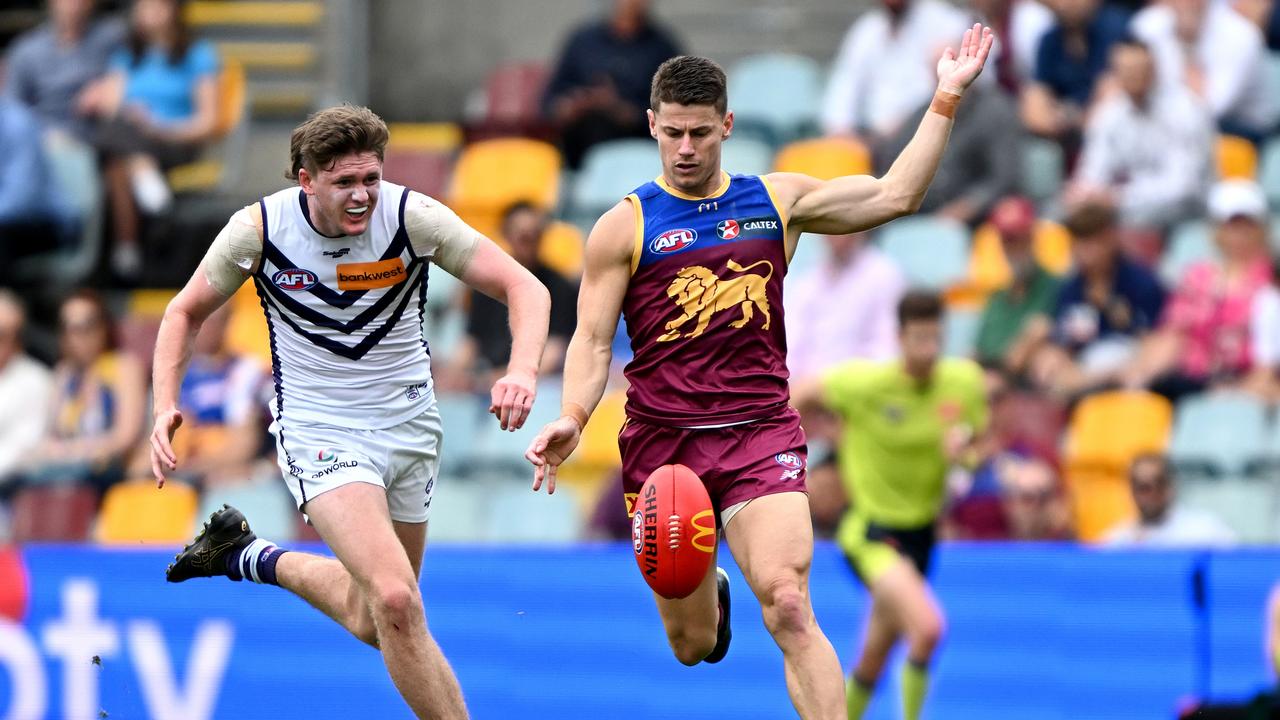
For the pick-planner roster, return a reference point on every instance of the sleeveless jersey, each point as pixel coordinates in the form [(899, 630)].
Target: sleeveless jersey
[(704, 305), (344, 316)]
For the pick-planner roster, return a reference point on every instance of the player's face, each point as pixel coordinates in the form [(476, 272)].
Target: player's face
[(689, 138), (921, 342), (342, 197)]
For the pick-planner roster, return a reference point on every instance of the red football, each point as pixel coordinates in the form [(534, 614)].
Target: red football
[(674, 531)]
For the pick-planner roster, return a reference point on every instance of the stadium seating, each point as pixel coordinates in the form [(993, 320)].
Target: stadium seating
[(461, 414), (247, 332), (219, 165), (75, 166), (458, 509), (54, 513), (1219, 434), (266, 503), (426, 171), (136, 512), (1247, 504), (746, 156), (824, 158), (1190, 242), (960, 333), (1271, 171), (597, 453), (1099, 502), (1042, 169), (1108, 429), (610, 170), (775, 96), (932, 252), (516, 514), (1237, 158), (810, 252), (562, 249), (493, 174), (512, 102)]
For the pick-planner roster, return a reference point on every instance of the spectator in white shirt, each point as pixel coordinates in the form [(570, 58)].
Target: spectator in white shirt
[(1148, 147), (885, 69), (844, 308), (25, 391), (1215, 51), (1161, 522)]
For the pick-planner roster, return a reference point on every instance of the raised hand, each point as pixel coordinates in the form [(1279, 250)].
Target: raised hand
[(958, 71), (512, 397)]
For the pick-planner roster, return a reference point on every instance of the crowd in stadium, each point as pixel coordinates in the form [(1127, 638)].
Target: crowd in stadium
[(1099, 228)]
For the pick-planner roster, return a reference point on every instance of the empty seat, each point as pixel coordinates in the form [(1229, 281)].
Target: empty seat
[(1042, 169), (426, 171), (460, 509), (746, 156), (55, 513), (1191, 242), (1271, 170), (266, 504), (512, 101), (776, 95), (1109, 429), (1100, 500), (811, 251), (460, 414), (137, 512), (218, 165), (562, 249), (989, 268), (1220, 433), (1246, 505), (75, 168), (247, 332), (1237, 158), (610, 170), (960, 332), (932, 252), (824, 158), (493, 174)]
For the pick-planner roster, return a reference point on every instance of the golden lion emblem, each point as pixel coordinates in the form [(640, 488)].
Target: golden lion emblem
[(701, 293)]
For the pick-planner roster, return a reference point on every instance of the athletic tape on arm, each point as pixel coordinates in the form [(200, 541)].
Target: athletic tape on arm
[(437, 232), (234, 253)]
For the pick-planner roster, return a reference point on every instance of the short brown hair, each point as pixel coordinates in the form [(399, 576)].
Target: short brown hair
[(1089, 219), (919, 305), (333, 132), (689, 80)]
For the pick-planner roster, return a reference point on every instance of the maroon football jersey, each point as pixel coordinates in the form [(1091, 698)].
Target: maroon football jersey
[(704, 306)]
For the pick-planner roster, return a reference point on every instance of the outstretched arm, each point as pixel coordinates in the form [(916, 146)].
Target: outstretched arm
[(858, 202), (605, 277)]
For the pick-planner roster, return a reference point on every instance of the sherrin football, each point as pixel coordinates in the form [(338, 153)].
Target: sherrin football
[(674, 531)]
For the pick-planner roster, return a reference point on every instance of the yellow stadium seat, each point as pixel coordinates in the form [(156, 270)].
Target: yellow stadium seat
[(149, 303), (202, 13), (493, 174), (1237, 158), (247, 328), (824, 158), (562, 249), (597, 455), (1109, 429), (137, 512), (434, 137), (988, 268), (1099, 501), (207, 173)]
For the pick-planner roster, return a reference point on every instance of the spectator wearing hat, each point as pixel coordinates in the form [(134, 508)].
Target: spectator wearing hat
[(1203, 340), (1016, 319)]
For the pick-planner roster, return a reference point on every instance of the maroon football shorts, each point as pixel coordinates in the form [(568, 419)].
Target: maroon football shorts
[(736, 463)]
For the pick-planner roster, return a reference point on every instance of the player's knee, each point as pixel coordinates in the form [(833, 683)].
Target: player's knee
[(690, 646), (786, 608), (925, 636), (395, 601)]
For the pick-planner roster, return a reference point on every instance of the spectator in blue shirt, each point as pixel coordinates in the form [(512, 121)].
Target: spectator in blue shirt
[(1071, 58), (161, 101), (34, 215), (52, 68), (1104, 308), (599, 89)]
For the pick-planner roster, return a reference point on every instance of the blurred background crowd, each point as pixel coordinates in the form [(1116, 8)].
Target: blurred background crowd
[(1100, 227)]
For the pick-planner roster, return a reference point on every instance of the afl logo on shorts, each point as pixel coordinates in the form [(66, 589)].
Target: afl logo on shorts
[(294, 279), (789, 460), (674, 241), (728, 229)]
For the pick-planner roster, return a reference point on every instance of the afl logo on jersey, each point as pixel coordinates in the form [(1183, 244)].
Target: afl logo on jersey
[(294, 279), (674, 241), (728, 229)]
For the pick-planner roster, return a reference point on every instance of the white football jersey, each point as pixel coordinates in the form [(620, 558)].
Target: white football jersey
[(345, 315)]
